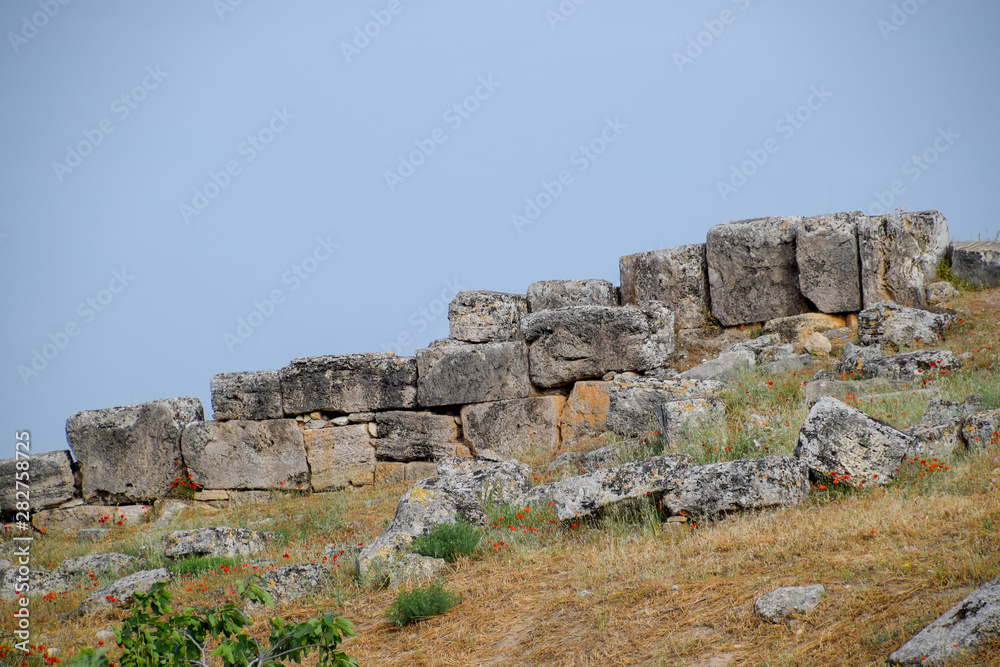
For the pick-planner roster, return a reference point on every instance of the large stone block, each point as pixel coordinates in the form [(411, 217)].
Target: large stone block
[(901, 326), (826, 250), (131, 454), (632, 400), (339, 457), (752, 271), (415, 436), (511, 428), (215, 541), (245, 454), (682, 420), (836, 439), (586, 410), (676, 276), (552, 294), (457, 374), (251, 395), (585, 342), (976, 262), (900, 253), (349, 383), (49, 481), (486, 317)]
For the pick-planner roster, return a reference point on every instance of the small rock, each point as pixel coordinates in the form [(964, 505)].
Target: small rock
[(817, 344), (940, 292), (783, 602), (340, 421)]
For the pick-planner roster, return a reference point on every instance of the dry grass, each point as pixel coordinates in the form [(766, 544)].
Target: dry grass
[(620, 593)]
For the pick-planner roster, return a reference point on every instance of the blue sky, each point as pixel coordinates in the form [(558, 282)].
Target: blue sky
[(198, 187)]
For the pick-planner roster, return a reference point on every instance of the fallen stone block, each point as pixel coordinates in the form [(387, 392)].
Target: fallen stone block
[(901, 326), (936, 440), (120, 593), (514, 427), (846, 390), (919, 366), (252, 395), (633, 400), (900, 253), (818, 345), (723, 366), (940, 292), (394, 472), (340, 457), (40, 582), (97, 562), (836, 439), (50, 481), (71, 519), (586, 410), (796, 329), (855, 358), (215, 541), (457, 374), (293, 582), (486, 317), (976, 262), (964, 628), (587, 342), (982, 430), (674, 276), (349, 383), (552, 294), (787, 601), (614, 489), (414, 436), (752, 270), (245, 454), (681, 420), (826, 250), (130, 454)]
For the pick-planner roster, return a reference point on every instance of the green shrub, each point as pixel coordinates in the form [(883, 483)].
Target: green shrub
[(193, 566), (448, 541), (150, 638), (419, 603)]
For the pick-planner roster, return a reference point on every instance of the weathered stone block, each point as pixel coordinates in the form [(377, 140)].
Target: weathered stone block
[(215, 541), (726, 364), (129, 454), (292, 582), (349, 383), (940, 292), (486, 317), (252, 395), (552, 294), (976, 262), (709, 491), (514, 427), (901, 326), (339, 457), (632, 400), (245, 454), (900, 253), (982, 430), (911, 366), (826, 249), (788, 600), (836, 439), (50, 481), (119, 593), (414, 436), (586, 410), (72, 519), (456, 374), (752, 271), (677, 277), (681, 420), (795, 329), (394, 472), (585, 342)]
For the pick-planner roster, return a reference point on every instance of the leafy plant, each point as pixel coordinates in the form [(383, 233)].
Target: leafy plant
[(448, 541), (420, 603), (193, 566), (148, 638), (944, 273)]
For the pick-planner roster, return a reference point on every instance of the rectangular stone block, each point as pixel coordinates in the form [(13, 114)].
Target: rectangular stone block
[(586, 410), (131, 454), (252, 395), (681, 420), (676, 276), (826, 248), (552, 294), (245, 454), (486, 317), (587, 342), (976, 262), (49, 481), (69, 520), (513, 427), (752, 271), (458, 374), (415, 436), (349, 383), (900, 253), (388, 473), (340, 456), (632, 400)]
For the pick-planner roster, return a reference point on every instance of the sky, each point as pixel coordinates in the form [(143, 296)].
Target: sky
[(209, 186)]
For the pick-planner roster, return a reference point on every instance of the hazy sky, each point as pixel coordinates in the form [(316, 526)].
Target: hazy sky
[(196, 186)]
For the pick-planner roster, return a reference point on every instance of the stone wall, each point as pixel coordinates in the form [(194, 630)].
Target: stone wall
[(518, 373)]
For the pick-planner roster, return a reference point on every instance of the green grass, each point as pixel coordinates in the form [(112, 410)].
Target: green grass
[(448, 541), (194, 566), (417, 604)]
